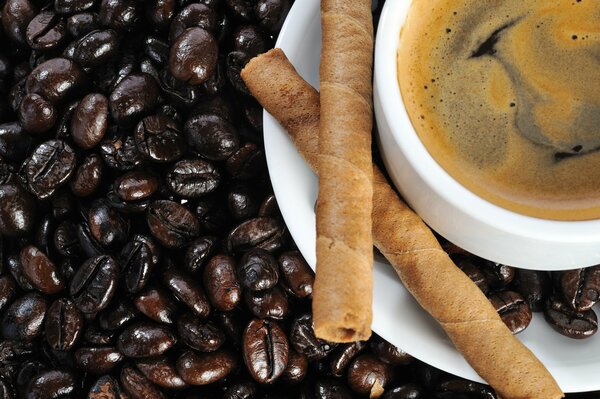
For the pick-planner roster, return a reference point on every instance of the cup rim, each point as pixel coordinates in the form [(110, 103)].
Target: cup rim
[(405, 136)]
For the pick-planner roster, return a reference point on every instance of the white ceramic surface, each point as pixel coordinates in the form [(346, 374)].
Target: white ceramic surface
[(457, 214), (397, 317)]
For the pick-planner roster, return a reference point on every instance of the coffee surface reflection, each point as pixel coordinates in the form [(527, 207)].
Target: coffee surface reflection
[(505, 95)]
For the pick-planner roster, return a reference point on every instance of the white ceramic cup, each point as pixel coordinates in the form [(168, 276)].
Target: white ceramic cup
[(456, 213)]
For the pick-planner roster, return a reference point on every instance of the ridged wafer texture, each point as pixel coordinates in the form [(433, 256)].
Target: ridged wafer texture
[(439, 286)]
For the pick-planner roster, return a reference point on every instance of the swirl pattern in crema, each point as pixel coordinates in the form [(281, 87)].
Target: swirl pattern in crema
[(505, 95)]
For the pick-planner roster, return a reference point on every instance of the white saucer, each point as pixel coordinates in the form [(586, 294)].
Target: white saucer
[(397, 317)]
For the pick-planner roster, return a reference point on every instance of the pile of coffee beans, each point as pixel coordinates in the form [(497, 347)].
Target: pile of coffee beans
[(142, 252)]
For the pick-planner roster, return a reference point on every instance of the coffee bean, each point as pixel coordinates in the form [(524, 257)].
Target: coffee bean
[(246, 163), (51, 384), (251, 40), (406, 391), (267, 304), (16, 15), (193, 56), (160, 371), (206, 368), (96, 48), (199, 335), (265, 349), (8, 290), (328, 388), (115, 317), (23, 319), (235, 62), (265, 233), (211, 136), (198, 252), (242, 9), (80, 24), (296, 369), (303, 339), (133, 98), (108, 227), (535, 286), (36, 114), (498, 275), (185, 288), (368, 375), (159, 139), (193, 178), (64, 325), (72, 6), (220, 282), (40, 270), (105, 387), (15, 143), (343, 355), (390, 354), (581, 287), (135, 185), (138, 386), (172, 224), (95, 336), (17, 211), (272, 13), (469, 266), (455, 387), (513, 309), (145, 340), (569, 322), (119, 14), (193, 15), (13, 265), (241, 202), (98, 360), (258, 270), (94, 284), (88, 244), (138, 259), (157, 305), (240, 390), (296, 273), (90, 121), (46, 31), (49, 167), (56, 79), (88, 176)]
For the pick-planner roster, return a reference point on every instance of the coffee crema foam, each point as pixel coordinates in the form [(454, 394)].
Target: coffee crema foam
[(505, 95)]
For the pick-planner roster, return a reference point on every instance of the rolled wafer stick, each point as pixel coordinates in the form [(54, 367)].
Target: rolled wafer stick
[(343, 289), (427, 272)]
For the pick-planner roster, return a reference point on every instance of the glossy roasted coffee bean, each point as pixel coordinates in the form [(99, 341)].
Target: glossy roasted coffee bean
[(119, 14), (172, 224), (88, 176), (94, 283), (453, 388), (186, 289), (159, 139), (40, 271), (241, 202), (193, 15), (161, 371), (115, 317), (80, 24), (258, 270), (17, 211), (15, 143), (43, 234), (13, 265), (8, 290), (406, 391), (137, 386), (56, 79), (135, 185), (177, 92), (368, 375), (46, 31), (581, 287), (156, 304), (72, 6), (211, 136), (51, 384), (193, 178), (105, 387), (36, 114), (534, 286), (198, 334), (220, 282), (513, 309), (265, 349), (90, 121), (235, 62), (206, 368), (88, 244), (329, 388), (261, 232), (297, 275), (214, 218), (49, 167), (242, 9), (27, 372), (389, 353), (138, 259), (96, 48), (246, 163), (133, 98), (145, 340), (240, 390), (108, 226), (193, 56), (296, 369), (120, 153), (569, 322), (267, 304), (303, 339), (271, 13), (16, 15), (97, 360), (251, 40), (198, 252), (497, 275), (96, 336), (343, 355), (23, 320), (64, 325)]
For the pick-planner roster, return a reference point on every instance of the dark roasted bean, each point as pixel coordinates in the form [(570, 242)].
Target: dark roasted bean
[(258, 270), (267, 304), (220, 282), (51, 384), (96, 48), (16, 15), (17, 211), (204, 369), (250, 40), (13, 264), (64, 325), (172, 224), (535, 286), (119, 14), (497, 275), (241, 202), (105, 387), (390, 354), (138, 386), (161, 372), (138, 259), (121, 153), (303, 339), (266, 349), (468, 265), (211, 136), (326, 388), (343, 355), (40, 271), (23, 320), (193, 178), (187, 290), (96, 336), (36, 114), (97, 360), (49, 167), (235, 62), (90, 121), (135, 185), (193, 56), (296, 369), (200, 335), (159, 139), (108, 227), (406, 391), (193, 15), (72, 6), (296, 273), (513, 309), (133, 98), (88, 176), (15, 143), (82, 23), (46, 31), (265, 233), (88, 244), (368, 375), (198, 253), (581, 287), (115, 317), (569, 322), (94, 283), (145, 340), (272, 13), (8, 290), (56, 79), (246, 163), (157, 305), (240, 390), (242, 9)]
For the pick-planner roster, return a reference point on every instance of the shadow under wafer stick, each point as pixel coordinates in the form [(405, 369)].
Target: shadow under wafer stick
[(426, 271)]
